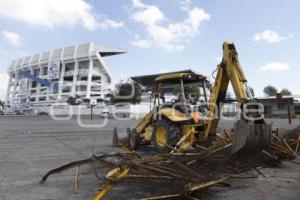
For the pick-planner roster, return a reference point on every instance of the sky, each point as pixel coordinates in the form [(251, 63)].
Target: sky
[(161, 35)]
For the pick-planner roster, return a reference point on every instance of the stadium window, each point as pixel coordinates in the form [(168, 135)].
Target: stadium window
[(45, 71), (42, 98), (70, 66), (36, 72), (83, 65), (34, 84), (83, 78)]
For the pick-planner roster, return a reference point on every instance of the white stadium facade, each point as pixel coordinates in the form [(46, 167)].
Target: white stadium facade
[(53, 76)]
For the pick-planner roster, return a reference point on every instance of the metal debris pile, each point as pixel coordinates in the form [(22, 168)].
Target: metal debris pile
[(190, 172)]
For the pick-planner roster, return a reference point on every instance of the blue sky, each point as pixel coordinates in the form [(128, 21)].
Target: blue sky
[(162, 35)]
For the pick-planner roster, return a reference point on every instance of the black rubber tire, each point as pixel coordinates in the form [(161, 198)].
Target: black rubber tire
[(134, 140), (173, 135)]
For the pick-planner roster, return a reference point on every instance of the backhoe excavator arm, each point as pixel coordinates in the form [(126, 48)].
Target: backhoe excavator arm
[(229, 70), (250, 134)]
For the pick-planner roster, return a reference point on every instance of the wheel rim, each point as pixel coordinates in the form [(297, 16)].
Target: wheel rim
[(161, 136)]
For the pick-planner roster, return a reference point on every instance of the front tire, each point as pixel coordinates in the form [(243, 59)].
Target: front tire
[(165, 135)]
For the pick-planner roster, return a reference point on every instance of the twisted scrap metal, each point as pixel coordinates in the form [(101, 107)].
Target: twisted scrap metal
[(204, 167)]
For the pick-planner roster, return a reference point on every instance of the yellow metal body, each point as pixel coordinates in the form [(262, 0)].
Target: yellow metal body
[(115, 173), (169, 113), (145, 122), (178, 76), (173, 115), (228, 71), (145, 127), (161, 136), (148, 133), (188, 138)]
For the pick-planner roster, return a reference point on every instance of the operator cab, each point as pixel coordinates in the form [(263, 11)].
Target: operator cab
[(186, 92)]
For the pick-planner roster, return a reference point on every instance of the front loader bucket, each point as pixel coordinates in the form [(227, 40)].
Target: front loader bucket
[(119, 136), (251, 136)]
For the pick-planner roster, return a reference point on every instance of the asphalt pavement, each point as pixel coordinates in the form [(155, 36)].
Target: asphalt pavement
[(32, 145)]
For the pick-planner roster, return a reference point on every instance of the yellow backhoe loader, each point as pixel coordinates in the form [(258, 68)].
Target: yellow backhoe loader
[(178, 124)]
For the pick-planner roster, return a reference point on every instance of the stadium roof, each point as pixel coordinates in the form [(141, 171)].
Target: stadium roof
[(108, 51), (77, 51)]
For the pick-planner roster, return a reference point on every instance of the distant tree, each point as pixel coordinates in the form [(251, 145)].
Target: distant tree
[(252, 91), (71, 101), (1, 104), (286, 92), (195, 92), (270, 90), (130, 92), (177, 89)]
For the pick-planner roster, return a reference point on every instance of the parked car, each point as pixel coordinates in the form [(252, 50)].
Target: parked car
[(106, 110), (42, 113), (170, 97)]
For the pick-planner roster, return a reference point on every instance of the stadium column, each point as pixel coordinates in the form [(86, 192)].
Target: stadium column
[(90, 74), (61, 80), (8, 88), (15, 84), (75, 75)]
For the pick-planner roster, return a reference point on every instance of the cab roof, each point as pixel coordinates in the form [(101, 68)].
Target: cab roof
[(149, 80), (175, 77)]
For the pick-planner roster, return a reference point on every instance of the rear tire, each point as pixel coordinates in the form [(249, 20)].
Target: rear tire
[(165, 132), (134, 140)]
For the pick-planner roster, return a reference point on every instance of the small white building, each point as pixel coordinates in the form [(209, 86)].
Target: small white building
[(53, 76)]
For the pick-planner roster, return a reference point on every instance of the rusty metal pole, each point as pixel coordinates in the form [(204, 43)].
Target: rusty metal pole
[(92, 112), (289, 112)]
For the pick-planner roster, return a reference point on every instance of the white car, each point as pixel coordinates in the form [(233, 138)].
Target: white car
[(105, 110), (170, 97)]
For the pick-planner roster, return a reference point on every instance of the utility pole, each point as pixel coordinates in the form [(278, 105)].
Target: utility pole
[(93, 102), (289, 111), (92, 112)]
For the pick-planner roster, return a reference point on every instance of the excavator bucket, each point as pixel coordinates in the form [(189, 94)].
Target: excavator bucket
[(251, 136)]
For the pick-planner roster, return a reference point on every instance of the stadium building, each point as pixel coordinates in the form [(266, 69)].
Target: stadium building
[(53, 76)]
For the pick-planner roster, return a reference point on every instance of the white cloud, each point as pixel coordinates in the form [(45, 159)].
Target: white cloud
[(168, 36), (108, 23), (12, 37), (3, 85), (270, 36), (51, 13), (275, 66), (147, 14), (185, 4), (141, 43), (138, 4)]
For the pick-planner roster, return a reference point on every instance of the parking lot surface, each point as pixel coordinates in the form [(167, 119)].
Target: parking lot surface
[(32, 145)]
